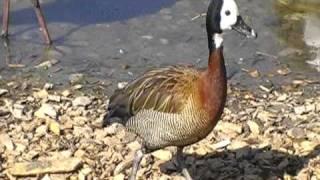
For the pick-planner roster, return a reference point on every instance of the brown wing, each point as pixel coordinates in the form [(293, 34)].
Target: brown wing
[(164, 90)]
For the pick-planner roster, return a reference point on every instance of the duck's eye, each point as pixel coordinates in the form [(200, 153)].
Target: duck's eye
[(228, 12)]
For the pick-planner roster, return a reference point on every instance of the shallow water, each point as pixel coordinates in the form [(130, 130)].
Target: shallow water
[(115, 41), (300, 30)]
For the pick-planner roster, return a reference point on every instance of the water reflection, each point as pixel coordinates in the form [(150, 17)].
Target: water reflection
[(299, 31)]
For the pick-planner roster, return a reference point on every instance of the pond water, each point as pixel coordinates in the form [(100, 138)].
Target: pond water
[(116, 40), (300, 31)]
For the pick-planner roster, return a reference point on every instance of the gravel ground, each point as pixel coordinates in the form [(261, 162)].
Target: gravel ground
[(47, 132), (52, 100)]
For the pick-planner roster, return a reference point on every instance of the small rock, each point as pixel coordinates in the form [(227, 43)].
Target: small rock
[(43, 167), (284, 71), (54, 127), (48, 86), (19, 111), (80, 153), (66, 93), (283, 164), (300, 110), (296, 133), (221, 144), (254, 73), (122, 85), (265, 115), (77, 87), (47, 64), (76, 78), (202, 150), (237, 145), (54, 98), (282, 97), (46, 110), (112, 129), (7, 142), (46, 177), (81, 101), (163, 155), (41, 130), (3, 92), (42, 94), (254, 127), (148, 37), (164, 41), (134, 145), (122, 166), (308, 146), (226, 127), (119, 177)]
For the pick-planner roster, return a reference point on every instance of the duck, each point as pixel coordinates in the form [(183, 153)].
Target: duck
[(179, 105), (41, 20)]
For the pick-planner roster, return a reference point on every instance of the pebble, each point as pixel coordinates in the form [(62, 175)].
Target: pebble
[(54, 98), (3, 92), (254, 127), (7, 142), (46, 110), (54, 127), (41, 130), (300, 110), (42, 167), (228, 127), (119, 177), (66, 93), (122, 85), (18, 111), (42, 94), (48, 86), (163, 155), (81, 101), (47, 64), (221, 144), (76, 78), (237, 145), (296, 133)]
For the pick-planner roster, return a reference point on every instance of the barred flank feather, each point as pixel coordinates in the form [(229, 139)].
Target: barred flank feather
[(163, 107)]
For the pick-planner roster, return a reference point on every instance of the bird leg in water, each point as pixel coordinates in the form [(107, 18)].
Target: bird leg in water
[(136, 163), (181, 164), (5, 18), (41, 21)]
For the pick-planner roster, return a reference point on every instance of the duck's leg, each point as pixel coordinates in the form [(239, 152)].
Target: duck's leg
[(5, 18), (181, 164), (136, 163), (41, 20)]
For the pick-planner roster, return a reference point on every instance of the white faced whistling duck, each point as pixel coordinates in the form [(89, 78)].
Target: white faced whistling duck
[(179, 105), (41, 20)]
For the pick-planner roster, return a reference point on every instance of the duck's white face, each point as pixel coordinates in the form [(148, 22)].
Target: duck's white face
[(229, 14)]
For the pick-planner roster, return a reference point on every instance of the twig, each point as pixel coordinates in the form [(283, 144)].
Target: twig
[(198, 16), (266, 54)]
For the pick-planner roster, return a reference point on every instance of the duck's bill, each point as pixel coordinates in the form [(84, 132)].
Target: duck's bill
[(242, 28)]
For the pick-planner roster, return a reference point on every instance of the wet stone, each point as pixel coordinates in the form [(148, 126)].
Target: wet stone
[(76, 78)]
